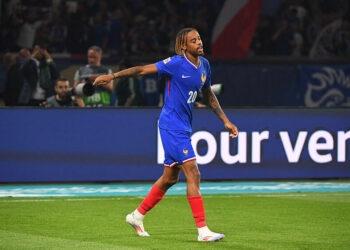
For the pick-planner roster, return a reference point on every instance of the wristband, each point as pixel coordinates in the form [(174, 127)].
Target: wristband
[(113, 76)]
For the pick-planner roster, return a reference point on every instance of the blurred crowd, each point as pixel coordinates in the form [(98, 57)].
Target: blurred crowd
[(303, 28), (118, 27), (285, 28)]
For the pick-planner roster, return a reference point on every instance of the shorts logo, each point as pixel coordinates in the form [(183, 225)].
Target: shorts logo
[(185, 151), (167, 60)]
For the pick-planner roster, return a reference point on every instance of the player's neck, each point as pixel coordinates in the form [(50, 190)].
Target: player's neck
[(194, 59)]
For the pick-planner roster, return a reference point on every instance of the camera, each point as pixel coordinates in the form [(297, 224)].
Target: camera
[(82, 89), (217, 88)]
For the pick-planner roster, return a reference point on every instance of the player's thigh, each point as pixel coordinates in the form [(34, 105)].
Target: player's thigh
[(171, 173), (190, 170)]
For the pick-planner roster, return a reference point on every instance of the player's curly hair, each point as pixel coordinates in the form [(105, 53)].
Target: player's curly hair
[(181, 39)]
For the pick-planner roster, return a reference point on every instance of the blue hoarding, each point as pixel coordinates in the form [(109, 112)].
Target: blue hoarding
[(325, 86), (70, 145)]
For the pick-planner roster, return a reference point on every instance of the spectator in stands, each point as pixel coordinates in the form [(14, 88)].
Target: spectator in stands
[(78, 28), (98, 32), (287, 38), (152, 89), (297, 41), (127, 90), (13, 82), (333, 40), (24, 54), (39, 74), (115, 32), (261, 43), (89, 72), (283, 38), (311, 32), (58, 35), (63, 98), (27, 31)]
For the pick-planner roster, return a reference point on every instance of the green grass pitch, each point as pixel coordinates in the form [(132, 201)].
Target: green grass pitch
[(249, 221)]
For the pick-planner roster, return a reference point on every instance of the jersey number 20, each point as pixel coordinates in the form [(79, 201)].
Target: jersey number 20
[(192, 96)]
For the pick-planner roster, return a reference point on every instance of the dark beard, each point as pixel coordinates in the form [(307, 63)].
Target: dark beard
[(65, 99)]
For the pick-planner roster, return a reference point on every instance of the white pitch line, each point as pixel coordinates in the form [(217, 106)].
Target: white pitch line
[(141, 197), (170, 197), (77, 199), (10, 201), (280, 195)]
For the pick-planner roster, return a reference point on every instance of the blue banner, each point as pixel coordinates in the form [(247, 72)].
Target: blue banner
[(325, 86), (88, 145), (258, 85)]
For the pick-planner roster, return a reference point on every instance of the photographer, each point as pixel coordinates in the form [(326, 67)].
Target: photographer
[(88, 73), (63, 97)]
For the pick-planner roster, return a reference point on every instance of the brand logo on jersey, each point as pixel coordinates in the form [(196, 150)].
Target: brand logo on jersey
[(165, 61), (183, 76), (185, 151), (203, 77)]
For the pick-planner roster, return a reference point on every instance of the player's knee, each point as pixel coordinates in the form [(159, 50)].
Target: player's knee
[(197, 175), (172, 181), (169, 180), (194, 175)]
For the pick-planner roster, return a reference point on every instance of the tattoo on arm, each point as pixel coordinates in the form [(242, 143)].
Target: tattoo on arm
[(138, 71), (133, 71), (212, 101), (215, 106)]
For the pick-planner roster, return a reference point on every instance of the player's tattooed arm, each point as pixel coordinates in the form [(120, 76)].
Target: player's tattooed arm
[(133, 71), (213, 103), (137, 71)]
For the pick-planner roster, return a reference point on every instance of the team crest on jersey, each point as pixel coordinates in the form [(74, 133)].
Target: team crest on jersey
[(185, 151), (203, 78), (166, 60)]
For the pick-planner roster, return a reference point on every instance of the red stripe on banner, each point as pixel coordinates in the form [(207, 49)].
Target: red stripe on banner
[(234, 41)]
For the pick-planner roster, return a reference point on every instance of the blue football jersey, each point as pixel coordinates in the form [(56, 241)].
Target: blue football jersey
[(184, 81)]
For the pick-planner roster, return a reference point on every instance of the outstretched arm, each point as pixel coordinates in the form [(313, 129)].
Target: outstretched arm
[(134, 71), (215, 106)]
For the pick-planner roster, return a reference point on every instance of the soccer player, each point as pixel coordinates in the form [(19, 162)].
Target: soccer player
[(187, 73)]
